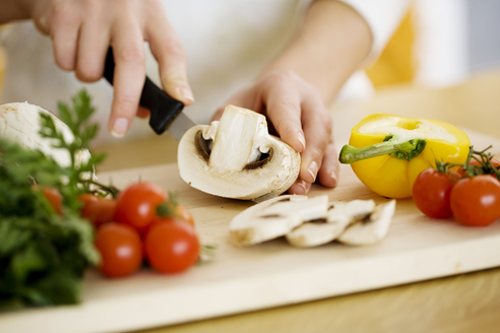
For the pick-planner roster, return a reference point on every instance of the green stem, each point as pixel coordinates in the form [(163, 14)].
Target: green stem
[(392, 145), (109, 189)]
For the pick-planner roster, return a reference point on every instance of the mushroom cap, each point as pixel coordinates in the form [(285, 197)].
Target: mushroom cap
[(224, 170), (20, 122)]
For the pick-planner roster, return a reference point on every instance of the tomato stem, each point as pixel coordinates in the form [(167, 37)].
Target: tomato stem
[(108, 189), (392, 145)]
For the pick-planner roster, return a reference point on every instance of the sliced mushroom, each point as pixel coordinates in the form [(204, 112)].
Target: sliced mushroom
[(275, 218), (20, 122), (340, 215), (371, 230), (236, 157)]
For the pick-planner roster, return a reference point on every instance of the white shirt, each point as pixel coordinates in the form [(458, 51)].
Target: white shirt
[(228, 42)]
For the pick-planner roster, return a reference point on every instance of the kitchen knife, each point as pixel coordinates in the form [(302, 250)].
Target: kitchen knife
[(166, 112)]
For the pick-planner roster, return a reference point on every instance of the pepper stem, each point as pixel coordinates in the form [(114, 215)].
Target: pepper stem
[(392, 145)]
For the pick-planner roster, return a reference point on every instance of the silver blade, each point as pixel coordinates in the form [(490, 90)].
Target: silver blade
[(179, 126), (270, 195)]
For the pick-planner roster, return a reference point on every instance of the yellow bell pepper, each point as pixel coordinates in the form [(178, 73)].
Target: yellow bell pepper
[(388, 152)]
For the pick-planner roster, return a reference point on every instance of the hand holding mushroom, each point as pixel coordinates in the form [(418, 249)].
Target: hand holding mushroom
[(300, 117), (294, 90)]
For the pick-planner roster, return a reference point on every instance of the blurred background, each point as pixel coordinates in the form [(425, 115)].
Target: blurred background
[(439, 43)]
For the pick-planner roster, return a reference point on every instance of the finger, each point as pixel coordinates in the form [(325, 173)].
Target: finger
[(171, 56), (63, 25), (129, 77), (218, 113), (143, 112), (93, 45), (329, 172), (317, 130), (284, 111), (246, 98), (300, 187)]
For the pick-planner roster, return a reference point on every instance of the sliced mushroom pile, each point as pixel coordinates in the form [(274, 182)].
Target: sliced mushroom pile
[(312, 222), (236, 157)]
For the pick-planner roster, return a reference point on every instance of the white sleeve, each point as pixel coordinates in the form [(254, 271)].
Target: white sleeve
[(382, 16)]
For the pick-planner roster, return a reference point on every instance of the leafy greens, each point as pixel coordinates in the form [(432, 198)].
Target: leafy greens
[(43, 255)]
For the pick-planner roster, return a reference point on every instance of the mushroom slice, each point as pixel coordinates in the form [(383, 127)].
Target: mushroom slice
[(20, 122), (236, 157), (275, 217), (340, 215), (373, 229)]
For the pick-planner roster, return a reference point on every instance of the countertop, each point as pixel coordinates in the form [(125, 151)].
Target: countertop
[(463, 303)]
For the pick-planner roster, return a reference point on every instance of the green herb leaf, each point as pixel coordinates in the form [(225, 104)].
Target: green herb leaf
[(43, 255)]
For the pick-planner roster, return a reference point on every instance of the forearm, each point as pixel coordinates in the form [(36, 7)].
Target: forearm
[(329, 46), (11, 10)]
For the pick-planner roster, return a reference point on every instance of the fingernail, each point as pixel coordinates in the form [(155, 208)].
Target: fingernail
[(120, 127), (186, 93), (313, 170), (302, 140), (303, 185), (334, 176)]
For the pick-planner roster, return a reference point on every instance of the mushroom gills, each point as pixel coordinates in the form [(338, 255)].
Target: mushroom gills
[(236, 157), (340, 215), (275, 218), (371, 230)]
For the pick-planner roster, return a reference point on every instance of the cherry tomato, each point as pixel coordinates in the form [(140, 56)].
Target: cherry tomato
[(96, 209), (171, 247), (120, 248), (85, 198), (475, 201), (431, 192), (494, 162), (136, 205), (54, 197)]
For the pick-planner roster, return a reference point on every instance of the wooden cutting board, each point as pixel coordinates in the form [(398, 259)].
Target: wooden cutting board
[(272, 274)]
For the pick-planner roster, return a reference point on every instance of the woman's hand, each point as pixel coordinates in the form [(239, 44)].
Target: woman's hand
[(297, 113), (82, 31)]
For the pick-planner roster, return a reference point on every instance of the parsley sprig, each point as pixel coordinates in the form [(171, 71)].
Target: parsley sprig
[(43, 255)]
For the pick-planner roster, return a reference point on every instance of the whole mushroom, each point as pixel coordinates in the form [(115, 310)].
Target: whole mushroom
[(236, 157)]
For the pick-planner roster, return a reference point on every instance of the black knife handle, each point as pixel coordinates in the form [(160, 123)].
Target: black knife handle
[(164, 109)]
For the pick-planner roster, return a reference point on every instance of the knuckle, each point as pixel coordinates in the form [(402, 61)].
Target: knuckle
[(126, 102), (176, 49), (278, 77), (62, 13), (327, 122), (133, 54), (87, 73), (288, 126)]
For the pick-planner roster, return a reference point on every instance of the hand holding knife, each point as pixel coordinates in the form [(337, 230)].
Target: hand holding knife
[(166, 112)]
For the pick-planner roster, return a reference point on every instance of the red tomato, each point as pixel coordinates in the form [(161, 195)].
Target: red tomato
[(494, 162), (54, 197), (136, 205), (99, 211), (86, 198), (120, 248), (184, 215), (475, 201), (431, 193), (171, 247)]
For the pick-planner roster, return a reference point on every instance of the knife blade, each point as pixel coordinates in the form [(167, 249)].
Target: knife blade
[(166, 112)]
